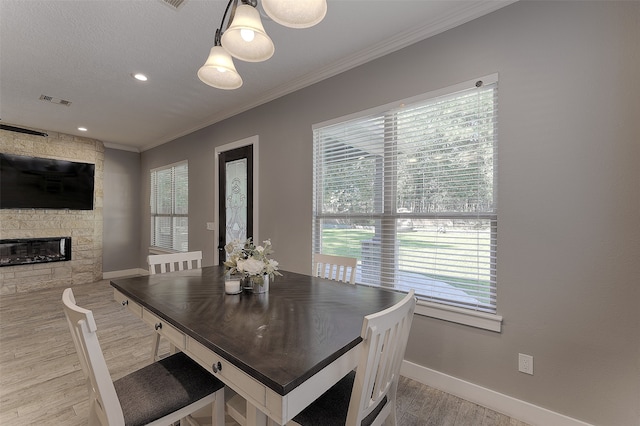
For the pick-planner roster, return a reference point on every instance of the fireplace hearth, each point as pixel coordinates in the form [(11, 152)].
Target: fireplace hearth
[(27, 251)]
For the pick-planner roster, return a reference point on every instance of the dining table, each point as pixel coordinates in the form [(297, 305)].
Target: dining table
[(278, 350)]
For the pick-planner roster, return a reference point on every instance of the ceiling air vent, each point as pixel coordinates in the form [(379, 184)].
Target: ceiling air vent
[(54, 100), (173, 3)]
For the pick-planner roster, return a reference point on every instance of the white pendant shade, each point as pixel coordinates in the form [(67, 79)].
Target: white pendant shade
[(296, 13), (245, 38), (219, 70)]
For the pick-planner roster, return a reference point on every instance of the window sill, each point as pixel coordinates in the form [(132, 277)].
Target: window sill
[(461, 316)]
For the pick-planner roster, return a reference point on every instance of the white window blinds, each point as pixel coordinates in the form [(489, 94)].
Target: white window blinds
[(170, 207), (410, 189)]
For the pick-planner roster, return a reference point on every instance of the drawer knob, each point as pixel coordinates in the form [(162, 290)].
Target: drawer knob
[(125, 302), (216, 367), (158, 326)]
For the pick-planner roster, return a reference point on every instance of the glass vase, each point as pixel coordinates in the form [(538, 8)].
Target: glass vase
[(260, 283), (247, 284)]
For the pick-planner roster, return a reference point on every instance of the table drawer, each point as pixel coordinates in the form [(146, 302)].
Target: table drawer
[(165, 329), (130, 304), (240, 381)]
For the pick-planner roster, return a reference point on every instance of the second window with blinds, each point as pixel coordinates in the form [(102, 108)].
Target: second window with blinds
[(170, 208), (410, 190)]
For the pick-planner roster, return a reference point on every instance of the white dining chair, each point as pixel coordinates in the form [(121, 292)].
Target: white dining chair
[(161, 263), (338, 268), (159, 394), (367, 396)]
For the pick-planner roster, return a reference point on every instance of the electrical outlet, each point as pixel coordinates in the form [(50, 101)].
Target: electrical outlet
[(525, 364)]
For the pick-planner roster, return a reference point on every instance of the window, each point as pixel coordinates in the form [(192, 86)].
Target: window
[(410, 190), (170, 207)]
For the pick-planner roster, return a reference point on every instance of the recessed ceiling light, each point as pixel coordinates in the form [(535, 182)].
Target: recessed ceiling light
[(82, 129), (139, 76)]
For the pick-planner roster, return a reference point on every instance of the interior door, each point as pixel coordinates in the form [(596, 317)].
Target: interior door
[(235, 180)]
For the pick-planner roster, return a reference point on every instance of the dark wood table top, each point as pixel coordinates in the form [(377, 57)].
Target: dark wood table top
[(280, 338)]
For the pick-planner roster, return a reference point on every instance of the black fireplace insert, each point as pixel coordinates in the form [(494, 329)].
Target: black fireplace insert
[(26, 251)]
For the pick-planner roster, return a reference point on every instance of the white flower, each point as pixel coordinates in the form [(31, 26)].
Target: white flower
[(251, 266), (244, 257)]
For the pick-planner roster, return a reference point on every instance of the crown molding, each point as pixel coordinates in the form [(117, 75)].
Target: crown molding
[(121, 147)]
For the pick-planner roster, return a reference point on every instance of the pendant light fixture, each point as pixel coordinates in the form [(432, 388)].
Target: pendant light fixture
[(219, 71), (246, 39), (296, 13)]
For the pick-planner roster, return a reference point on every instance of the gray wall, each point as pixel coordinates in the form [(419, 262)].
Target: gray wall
[(568, 191), (121, 213)]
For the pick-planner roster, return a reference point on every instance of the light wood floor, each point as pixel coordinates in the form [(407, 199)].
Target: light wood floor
[(41, 381)]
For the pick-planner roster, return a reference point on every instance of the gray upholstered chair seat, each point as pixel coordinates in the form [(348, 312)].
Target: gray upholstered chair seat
[(162, 388), (332, 407)]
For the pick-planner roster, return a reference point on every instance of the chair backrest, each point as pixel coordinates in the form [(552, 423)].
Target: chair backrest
[(103, 399), (174, 262), (338, 268), (385, 335)]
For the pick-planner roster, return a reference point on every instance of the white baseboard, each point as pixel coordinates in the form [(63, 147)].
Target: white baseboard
[(488, 398), (124, 273)]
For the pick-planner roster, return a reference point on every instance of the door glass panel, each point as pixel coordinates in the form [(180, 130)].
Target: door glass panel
[(236, 200)]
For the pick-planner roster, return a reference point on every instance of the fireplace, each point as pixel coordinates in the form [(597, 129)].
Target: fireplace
[(27, 251)]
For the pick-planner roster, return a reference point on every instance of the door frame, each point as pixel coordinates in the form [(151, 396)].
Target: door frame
[(253, 141)]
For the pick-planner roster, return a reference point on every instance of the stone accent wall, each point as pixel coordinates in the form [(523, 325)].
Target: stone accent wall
[(83, 226)]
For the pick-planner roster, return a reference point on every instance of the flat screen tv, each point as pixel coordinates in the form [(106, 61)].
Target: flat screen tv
[(44, 183)]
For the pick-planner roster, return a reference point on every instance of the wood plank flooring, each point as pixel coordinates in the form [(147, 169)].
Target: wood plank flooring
[(41, 382)]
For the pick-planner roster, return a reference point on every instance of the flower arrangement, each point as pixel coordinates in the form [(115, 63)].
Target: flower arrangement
[(245, 258)]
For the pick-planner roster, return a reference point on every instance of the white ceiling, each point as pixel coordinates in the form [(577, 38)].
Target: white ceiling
[(84, 51)]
